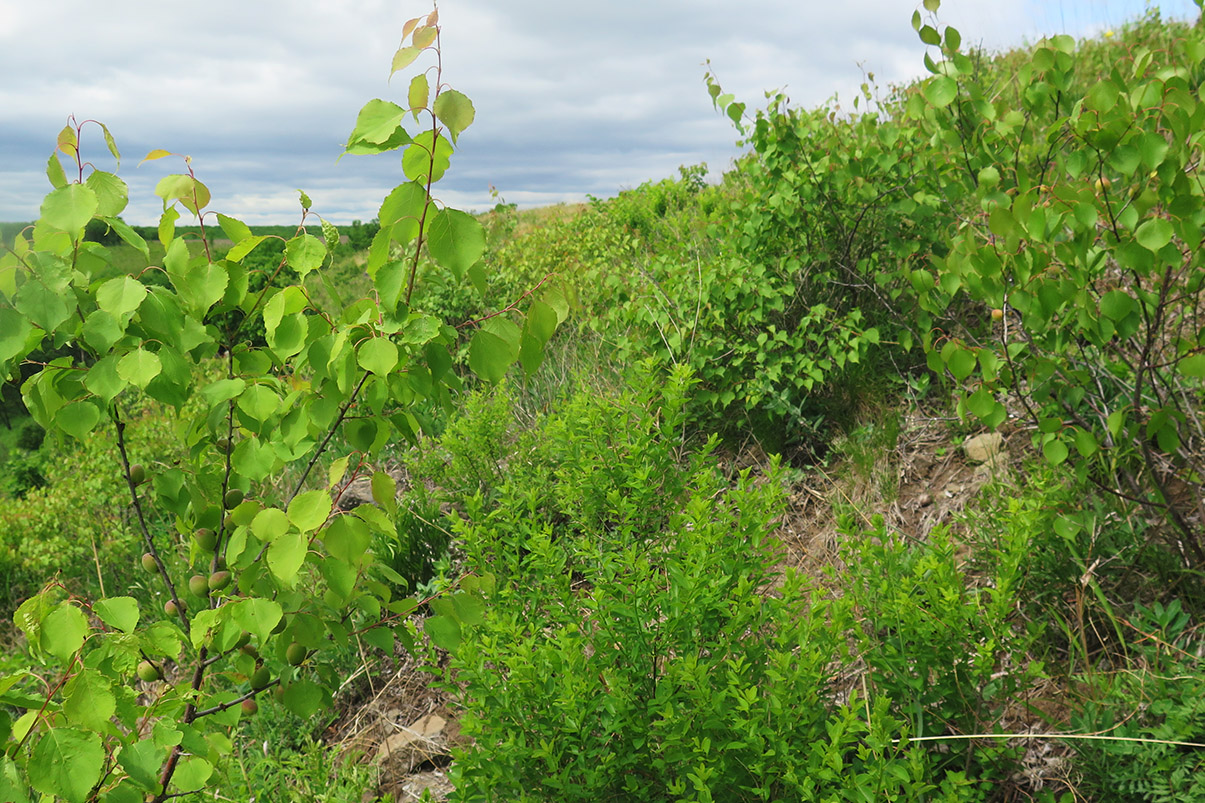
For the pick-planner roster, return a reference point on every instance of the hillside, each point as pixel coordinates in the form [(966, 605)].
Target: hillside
[(869, 470)]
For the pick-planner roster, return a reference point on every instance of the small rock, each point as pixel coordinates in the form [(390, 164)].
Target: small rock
[(421, 741), (982, 448)]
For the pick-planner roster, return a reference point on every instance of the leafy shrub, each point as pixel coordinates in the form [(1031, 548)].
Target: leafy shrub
[(639, 643)]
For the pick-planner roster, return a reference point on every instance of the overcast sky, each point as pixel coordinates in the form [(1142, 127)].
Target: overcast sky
[(572, 98)]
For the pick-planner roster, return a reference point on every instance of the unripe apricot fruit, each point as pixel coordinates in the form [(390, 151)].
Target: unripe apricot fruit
[(250, 707), (137, 474), (147, 672), (218, 580), (198, 584), (233, 498), (171, 609), (206, 539), (295, 654), (148, 562), (997, 314), (261, 678)]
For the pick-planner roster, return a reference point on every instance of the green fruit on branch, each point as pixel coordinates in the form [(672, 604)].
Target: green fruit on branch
[(199, 585), (148, 672), (233, 498), (249, 649), (137, 474), (219, 580), (249, 707), (224, 445), (295, 654), (206, 539), (148, 563), (261, 678), (172, 609)]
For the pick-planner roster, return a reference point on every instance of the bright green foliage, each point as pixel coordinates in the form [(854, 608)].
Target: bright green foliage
[(285, 566), (631, 648), (1083, 226)]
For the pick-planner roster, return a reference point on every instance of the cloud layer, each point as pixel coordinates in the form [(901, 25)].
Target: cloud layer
[(572, 99)]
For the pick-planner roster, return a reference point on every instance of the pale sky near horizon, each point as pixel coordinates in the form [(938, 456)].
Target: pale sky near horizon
[(571, 99)]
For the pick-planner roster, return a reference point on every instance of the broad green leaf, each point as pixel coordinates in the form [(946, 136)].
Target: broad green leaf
[(129, 236), (1117, 305), (384, 491), (961, 363), (377, 355), (259, 401), (89, 700), (1055, 451), (422, 158), (470, 608), (67, 763), (306, 203), (403, 58), (236, 230), (222, 390), (103, 379), (304, 697), (112, 194), (419, 93), (255, 459), (308, 511), (494, 348), (269, 524), (69, 209), (139, 367), (244, 247), (257, 616), (305, 253), (200, 285), (456, 240), (1085, 443), (1193, 365), (77, 418), (43, 306), (14, 331), (192, 194), (118, 612), (376, 122), (444, 632), (1153, 234), (64, 630), (424, 36), (54, 172), (929, 35), (142, 761), (455, 111), (941, 90), (346, 539), (120, 297), (285, 556), (539, 327), (192, 774)]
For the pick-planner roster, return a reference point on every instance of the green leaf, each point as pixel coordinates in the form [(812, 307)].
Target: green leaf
[(377, 355), (492, 351), (1193, 365), (43, 306), (304, 697), (444, 632), (961, 363), (118, 612), (259, 401), (269, 524), (1055, 451), (64, 630), (347, 539), (236, 230), (537, 330), (112, 194), (77, 418), (454, 110), (14, 331), (308, 511), (376, 122), (305, 253), (257, 616), (929, 35), (422, 158), (384, 491), (89, 700), (403, 58), (285, 556), (192, 194), (103, 379), (139, 367), (1153, 234), (419, 93), (306, 203), (54, 171), (1117, 305), (470, 608), (121, 297), (67, 763), (456, 240), (941, 90), (69, 209), (141, 761), (192, 774), (244, 247)]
